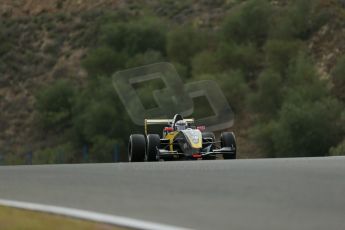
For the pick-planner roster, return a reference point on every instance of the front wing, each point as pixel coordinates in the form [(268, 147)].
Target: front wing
[(206, 153)]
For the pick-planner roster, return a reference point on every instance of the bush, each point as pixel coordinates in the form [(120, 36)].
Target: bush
[(268, 98), (308, 120), (103, 148), (205, 62), (5, 40), (183, 43), (97, 118), (120, 42), (307, 129), (233, 86), (338, 79), (262, 134), (54, 104), (5, 47), (98, 113), (135, 37), (280, 53), (339, 150), (104, 61), (60, 154), (244, 57), (300, 71), (300, 19), (302, 81), (249, 23), (302, 130), (141, 59)]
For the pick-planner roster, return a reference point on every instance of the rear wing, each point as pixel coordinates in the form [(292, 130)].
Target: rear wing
[(163, 122)]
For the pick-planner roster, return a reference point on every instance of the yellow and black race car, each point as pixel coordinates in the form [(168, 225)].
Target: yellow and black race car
[(181, 140)]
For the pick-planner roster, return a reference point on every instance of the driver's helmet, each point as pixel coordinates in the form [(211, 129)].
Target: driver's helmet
[(181, 125)]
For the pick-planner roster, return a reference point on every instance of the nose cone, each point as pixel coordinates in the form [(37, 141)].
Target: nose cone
[(194, 138)]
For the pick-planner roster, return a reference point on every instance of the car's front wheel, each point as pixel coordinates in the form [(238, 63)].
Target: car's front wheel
[(228, 139), (136, 148), (153, 142)]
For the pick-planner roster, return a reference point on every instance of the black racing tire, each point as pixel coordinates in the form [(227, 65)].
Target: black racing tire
[(228, 139), (153, 142), (136, 148)]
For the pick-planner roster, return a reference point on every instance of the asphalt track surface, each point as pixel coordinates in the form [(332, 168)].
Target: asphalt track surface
[(234, 194)]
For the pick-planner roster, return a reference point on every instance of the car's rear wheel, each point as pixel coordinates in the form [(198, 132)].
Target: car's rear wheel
[(228, 139), (153, 142), (136, 148)]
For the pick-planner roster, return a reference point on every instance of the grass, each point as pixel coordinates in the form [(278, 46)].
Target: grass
[(17, 219)]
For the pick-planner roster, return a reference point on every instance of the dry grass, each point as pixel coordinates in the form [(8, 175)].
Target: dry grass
[(16, 219)]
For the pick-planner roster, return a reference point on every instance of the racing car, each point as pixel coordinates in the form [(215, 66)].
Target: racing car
[(180, 140)]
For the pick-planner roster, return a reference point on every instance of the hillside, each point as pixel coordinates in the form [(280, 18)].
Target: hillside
[(42, 42)]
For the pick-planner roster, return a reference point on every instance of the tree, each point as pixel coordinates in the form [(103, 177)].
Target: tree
[(269, 96), (307, 129), (308, 121), (183, 43), (248, 24), (244, 57), (280, 53), (338, 79), (54, 104), (299, 19), (104, 61), (136, 36), (233, 86)]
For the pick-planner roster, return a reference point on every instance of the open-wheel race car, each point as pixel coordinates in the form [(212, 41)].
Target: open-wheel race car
[(181, 140)]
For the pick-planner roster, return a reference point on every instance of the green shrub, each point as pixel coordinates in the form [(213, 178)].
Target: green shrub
[(103, 148), (268, 98), (233, 86), (54, 104), (136, 36), (104, 61), (280, 53), (263, 136), (182, 70), (205, 62), (5, 47), (338, 79), (98, 111), (307, 121), (141, 59), (244, 57), (303, 82), (99, 118), (60, 154), (5, 40), (307, 129), (339, 150), (183, 43), (302, 130), (124, 45), (301, 70), (250, 23), (299, 19)]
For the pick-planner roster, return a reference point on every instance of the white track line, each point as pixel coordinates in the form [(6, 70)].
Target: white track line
[(91, 216)]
